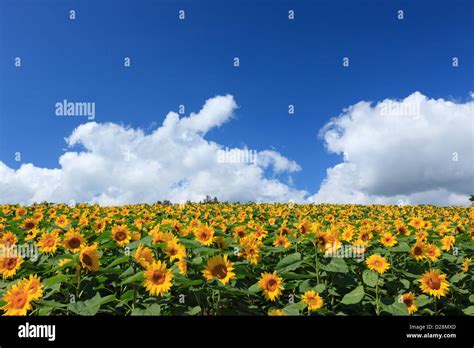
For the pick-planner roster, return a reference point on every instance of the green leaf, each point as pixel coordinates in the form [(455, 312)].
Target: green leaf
[(457, 277), (469, 310), (337, 265), (471, 298), (405, 283), (355, 296), (118, 261), (145, 241), (190, 243), (449, 257), (127, 296), (51, 304), (304, 286), (254, 288), (196, 261), (422, 300), (293, 275), (457, 289), (370, 278), (320, 288), (194, 310), (91, 306), (188, 282), (154, 309), (60, 278), (288, 261), (204, 251), (138, 277), (401, 248), (294, 308), (128, 272), (396, 308), (292, 267)]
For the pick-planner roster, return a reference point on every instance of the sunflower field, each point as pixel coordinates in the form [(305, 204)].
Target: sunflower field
[(236, 259)]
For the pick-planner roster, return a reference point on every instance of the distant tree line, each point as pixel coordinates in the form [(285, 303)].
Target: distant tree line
[(207, 200)]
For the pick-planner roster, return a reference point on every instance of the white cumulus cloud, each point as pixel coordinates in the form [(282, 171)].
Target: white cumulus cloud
[(416, 150), (119, 165)]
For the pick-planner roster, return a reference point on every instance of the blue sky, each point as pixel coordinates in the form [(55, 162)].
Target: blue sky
[(186, 62)]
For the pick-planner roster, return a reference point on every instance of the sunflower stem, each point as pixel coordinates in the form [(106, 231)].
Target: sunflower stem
[(78, 284), (134, 297), (316, 261), (377, 309)]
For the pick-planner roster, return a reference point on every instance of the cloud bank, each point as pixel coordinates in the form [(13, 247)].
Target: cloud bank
[(413, 151), (120, 165), (416, 150)]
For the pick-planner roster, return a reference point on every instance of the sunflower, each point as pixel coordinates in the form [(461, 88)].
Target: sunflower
[(157, 278), (73, 241), (421, 236), (61, 221), (219, 267), (20, 211), (402, 230), (322, 239), (90, 258), (282, 241), (332, 247), (416, 223), (447, 242), (388, 239), (276, 313), (284, 230), (18, 300), (182, 266), (347, 234), (312, 300), (432, 252), (175, 251), (271, 285), (29, 224), (304, 227), (409, 300), (121, 235), (465, 264), (63, 262), (144, 256), (31, 234), (418, 251), (365, 235), (8, 239), (99, 225), (163, 237), (434, 283), (426, 225), (9, 265), (48, 242), (34, 287), (260, 232), (239, 232), (251, 251), (377, 263), (220, 242), (204, 234)]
